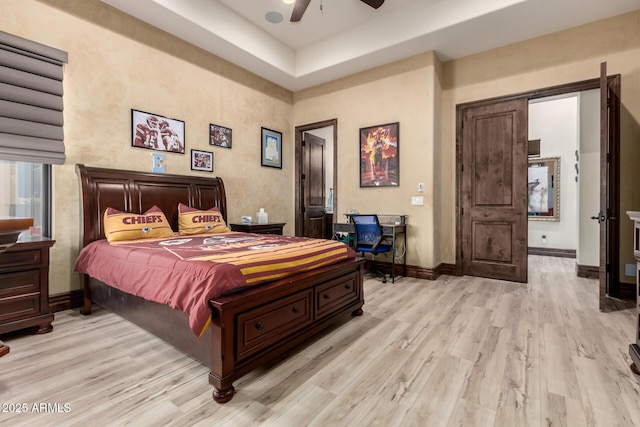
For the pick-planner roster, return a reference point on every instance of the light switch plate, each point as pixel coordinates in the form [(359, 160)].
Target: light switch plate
[(417, 200), (630, 270)]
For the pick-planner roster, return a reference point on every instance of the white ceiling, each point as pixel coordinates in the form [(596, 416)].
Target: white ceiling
[(348, 36)]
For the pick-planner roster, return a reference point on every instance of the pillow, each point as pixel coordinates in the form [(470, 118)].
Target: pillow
[(129, 226), (194, 221)]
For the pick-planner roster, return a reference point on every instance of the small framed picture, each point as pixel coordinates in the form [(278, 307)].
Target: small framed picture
[(271, 148), (201, 161), (156, 132), (219, 136)]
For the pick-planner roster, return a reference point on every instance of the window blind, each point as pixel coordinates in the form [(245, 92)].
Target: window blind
[(31, 107)]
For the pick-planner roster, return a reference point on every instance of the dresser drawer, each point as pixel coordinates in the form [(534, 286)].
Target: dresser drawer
[(19, 307), (261, 327), (336, 294), (19, 282), (11, 261)]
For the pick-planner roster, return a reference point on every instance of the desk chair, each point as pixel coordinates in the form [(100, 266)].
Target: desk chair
[(369, 238)]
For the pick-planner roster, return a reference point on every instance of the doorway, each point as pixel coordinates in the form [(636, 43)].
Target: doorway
[(316, 178), (490, 235), (564, 131)]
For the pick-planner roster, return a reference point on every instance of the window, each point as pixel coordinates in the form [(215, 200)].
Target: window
[(31, 128), (26, 193)]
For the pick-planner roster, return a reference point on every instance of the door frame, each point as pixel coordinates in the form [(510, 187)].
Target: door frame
[(299, 194), (580, 86)]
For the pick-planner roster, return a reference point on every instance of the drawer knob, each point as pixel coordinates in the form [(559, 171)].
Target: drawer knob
[(348, 287), (296, 310), (259, 326), (326, 296)]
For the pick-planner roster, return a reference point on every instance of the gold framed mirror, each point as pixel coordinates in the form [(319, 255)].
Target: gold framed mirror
[(544, 189)]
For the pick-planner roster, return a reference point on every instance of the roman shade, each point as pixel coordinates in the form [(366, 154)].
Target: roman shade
[(31, 107)]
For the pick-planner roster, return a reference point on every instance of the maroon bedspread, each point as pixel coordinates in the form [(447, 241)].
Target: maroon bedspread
[(186, 272)]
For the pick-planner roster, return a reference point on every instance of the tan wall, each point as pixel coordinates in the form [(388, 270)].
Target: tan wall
[(559, 58), (117, 63), (400, 92)]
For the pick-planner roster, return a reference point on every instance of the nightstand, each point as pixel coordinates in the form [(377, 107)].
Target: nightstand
[(24, 286), (271, 228)]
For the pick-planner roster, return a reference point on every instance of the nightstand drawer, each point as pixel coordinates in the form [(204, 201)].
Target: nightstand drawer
[(17, 260), (20, 282), (261, 327), (19, 307)]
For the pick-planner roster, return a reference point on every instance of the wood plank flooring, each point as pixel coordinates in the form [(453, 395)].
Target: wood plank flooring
[(457, 351)]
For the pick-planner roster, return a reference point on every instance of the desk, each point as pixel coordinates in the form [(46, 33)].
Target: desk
[(388, 230)]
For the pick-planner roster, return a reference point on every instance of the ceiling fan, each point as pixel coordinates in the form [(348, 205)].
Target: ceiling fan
[(301, 6)]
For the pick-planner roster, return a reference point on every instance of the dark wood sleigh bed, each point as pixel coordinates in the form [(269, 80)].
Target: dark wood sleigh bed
[(248, 328)]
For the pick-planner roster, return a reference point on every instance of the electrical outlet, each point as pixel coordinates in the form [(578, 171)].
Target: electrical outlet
[(417, 200)]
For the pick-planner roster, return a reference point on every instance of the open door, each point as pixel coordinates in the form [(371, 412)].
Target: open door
[(608, 217), (494, 190), (312, 164), (313, 178)]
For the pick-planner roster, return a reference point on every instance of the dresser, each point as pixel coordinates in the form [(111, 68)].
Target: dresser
[(271, 228), (24, 286)]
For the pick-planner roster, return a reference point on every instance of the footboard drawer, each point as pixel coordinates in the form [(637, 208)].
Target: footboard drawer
[(336, 294), (265, 325)]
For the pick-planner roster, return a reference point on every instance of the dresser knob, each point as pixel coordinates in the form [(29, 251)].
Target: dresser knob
[(296, 310), (259, 326), (326, 296), (348, 287)]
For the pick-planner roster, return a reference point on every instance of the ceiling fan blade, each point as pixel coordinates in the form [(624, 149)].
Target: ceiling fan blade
[(299, 9), (373, 3)]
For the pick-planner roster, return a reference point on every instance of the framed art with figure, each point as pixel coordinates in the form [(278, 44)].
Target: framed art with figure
[(271, 148), (156, 132), (544, 189), (379, 155)]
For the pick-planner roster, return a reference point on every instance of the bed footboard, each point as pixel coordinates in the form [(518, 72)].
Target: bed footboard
[(256, 328)]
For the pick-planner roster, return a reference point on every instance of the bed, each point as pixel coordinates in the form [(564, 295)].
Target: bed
[(248, 328)]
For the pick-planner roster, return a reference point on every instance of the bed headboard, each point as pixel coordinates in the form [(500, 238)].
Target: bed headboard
[(136, 192)]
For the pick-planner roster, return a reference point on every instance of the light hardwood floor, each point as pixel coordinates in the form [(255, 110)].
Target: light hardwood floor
[(457, 351)]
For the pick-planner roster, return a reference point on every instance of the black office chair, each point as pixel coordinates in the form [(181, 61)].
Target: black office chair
[(369, 238)]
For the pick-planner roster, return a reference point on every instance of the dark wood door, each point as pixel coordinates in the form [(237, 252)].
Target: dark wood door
[(313, 186), (608, 217), (494, 190)]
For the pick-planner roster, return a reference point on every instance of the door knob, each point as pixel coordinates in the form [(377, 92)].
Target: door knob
[(600, 217)]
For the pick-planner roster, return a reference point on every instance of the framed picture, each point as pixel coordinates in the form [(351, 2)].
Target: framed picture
[(201, 161), (156, 132), (219, 136), (271, 148), (544, 189), (379, 155)]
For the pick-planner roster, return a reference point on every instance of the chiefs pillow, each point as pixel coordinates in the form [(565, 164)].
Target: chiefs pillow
[(194, 221), (129, 226)]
